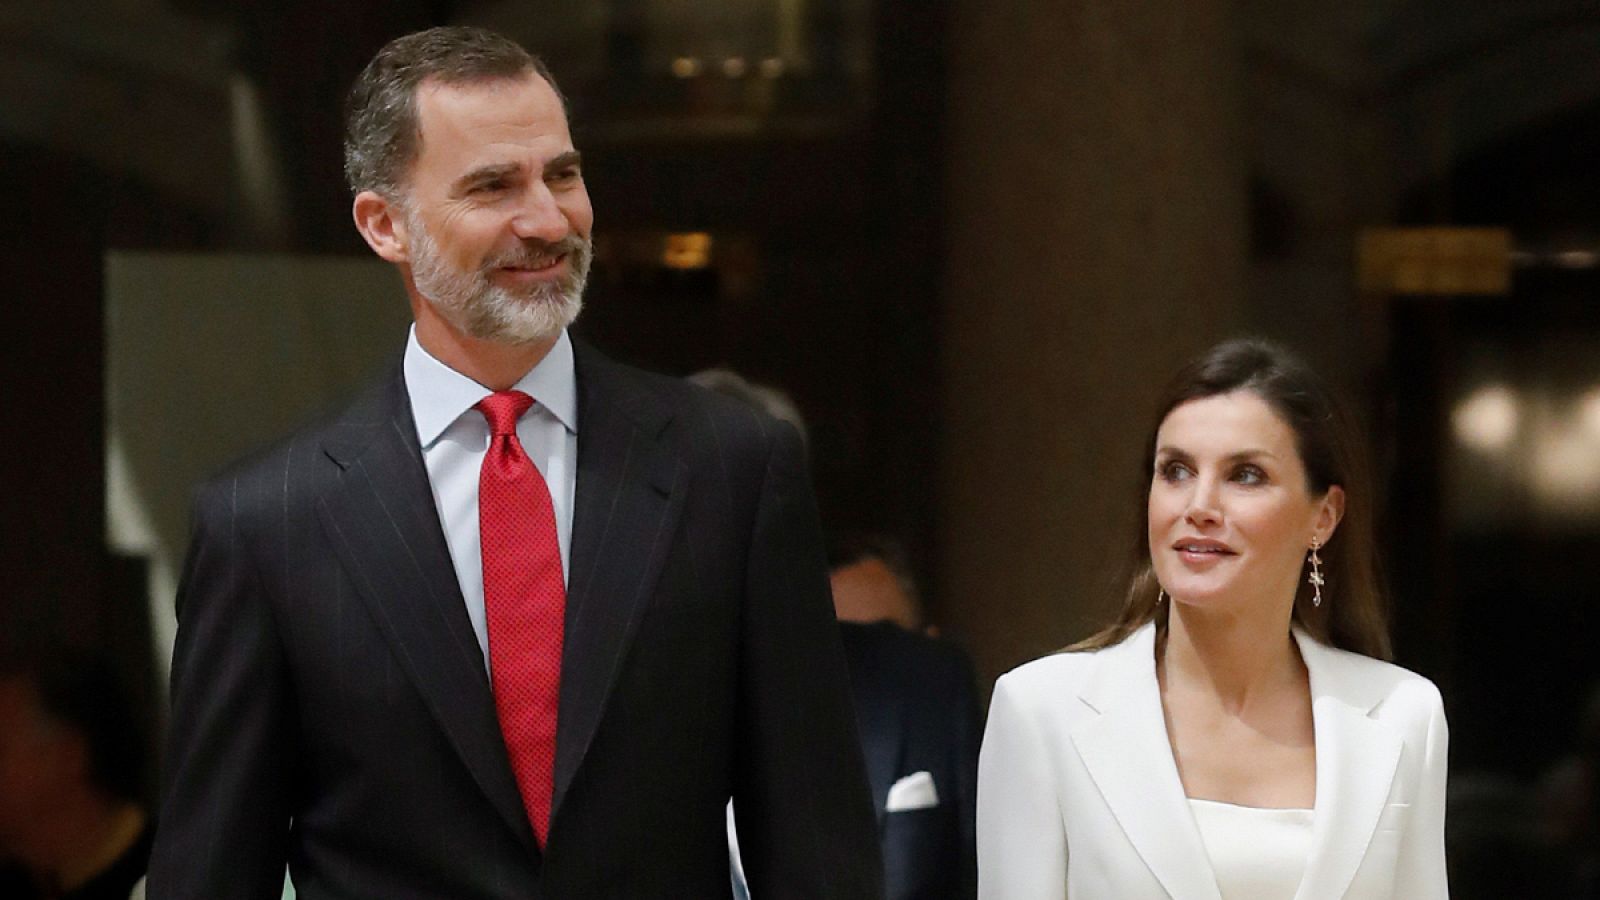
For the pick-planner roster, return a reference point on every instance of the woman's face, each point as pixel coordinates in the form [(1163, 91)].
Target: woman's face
[(1230, 515)]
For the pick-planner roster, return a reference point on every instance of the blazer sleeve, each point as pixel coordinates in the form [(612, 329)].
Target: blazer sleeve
[(1421, 871), (967, 740), (804, 814), (224, 819), (1022, 846)]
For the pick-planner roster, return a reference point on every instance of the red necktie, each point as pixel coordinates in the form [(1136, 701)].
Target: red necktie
[(525, 603)]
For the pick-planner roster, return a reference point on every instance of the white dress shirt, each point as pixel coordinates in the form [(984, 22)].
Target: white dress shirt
[(455, 437)]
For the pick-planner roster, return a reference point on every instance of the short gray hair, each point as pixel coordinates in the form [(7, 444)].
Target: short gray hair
[(766, 398), (382, 134)]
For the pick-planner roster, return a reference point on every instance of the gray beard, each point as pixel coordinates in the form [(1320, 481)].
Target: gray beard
[(483, 310)]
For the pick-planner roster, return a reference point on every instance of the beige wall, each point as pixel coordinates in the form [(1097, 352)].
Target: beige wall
[(1096, 237), (210, 356)]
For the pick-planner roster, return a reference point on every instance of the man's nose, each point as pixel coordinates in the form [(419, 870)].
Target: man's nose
[(539, 216)]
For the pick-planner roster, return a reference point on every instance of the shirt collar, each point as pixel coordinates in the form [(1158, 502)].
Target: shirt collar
[(440, 394)]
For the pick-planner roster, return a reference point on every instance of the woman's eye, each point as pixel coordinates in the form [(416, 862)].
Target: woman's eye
[(1249, 475), (1172, 471)]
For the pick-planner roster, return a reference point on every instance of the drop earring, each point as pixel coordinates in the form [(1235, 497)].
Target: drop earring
[(1316, 572)]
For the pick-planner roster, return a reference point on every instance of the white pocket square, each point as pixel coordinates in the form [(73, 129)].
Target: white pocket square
[(915, 791)]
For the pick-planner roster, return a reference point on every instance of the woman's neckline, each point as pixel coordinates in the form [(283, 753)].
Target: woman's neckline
[(1262, 809)]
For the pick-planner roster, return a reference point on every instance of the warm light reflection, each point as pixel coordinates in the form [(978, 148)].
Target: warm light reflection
[(1589, 414), (687, 250), (1566, 467), (686, 67), (1487, 418)]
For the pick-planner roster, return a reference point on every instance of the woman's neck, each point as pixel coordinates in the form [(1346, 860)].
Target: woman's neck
[(1235, 658)]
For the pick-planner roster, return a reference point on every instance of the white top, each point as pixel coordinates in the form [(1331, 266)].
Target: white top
[(1256, 853), (455, 437), (1079, 796)]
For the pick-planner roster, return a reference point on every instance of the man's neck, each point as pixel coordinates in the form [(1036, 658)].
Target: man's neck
[(497, 366)]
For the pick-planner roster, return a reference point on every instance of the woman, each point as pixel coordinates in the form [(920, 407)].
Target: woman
[(1235, 733)]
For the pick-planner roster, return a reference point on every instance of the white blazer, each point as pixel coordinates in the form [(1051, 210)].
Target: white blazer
[(1079, 796)]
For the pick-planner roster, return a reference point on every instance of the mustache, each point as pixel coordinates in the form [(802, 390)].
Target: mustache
[(532, 252)]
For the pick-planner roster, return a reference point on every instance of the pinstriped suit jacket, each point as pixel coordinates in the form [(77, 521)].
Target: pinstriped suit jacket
[(331, 709)]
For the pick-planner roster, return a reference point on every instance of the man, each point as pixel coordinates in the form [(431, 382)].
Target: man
[(71, 766), (463, 643), (914, 701), (919, 720)]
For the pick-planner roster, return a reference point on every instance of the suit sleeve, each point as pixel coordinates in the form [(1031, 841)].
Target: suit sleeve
[(969, 731), (804, 815), (1022, 849), (224, 819), (1420, 870)]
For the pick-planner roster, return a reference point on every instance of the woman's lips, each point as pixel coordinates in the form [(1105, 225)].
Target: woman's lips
[(1200, 550)]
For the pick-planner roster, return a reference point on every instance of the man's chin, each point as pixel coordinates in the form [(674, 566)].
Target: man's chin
[(525, 325)]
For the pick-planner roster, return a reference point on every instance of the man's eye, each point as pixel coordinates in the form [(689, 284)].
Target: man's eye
[(563, 175)]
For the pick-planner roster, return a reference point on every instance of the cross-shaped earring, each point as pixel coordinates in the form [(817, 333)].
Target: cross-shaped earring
[(1316, 571)]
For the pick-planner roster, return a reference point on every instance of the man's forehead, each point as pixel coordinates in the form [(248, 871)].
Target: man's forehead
[(465, 122)]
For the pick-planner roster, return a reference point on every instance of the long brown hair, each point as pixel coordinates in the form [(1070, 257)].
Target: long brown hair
[(1353, 614)]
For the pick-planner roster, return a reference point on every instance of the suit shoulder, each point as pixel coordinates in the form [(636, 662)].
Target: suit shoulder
[(700, 411), (1407, 688), (289, 466), (1048, 678), (914, 661), (1392, 690)]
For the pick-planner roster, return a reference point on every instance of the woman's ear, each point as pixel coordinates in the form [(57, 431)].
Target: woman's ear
[(1329, 513)]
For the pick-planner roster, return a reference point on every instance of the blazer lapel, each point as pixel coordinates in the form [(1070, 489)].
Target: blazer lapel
[(1129, 756), (384, 526), (1357, 757), (883, 734), (631, 488)]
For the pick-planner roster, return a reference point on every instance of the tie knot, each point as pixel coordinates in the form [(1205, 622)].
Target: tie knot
[(503, 409)]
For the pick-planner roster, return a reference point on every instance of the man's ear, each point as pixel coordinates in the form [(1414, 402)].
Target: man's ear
[(380, 223)]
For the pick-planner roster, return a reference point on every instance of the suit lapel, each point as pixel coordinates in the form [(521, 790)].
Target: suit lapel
[(1356, 762), (883, 723), (631, 488), (384, 526), (1129, 756)]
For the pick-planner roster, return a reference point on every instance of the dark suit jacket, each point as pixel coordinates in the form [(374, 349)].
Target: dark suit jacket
[(918, 712), (331, 708)]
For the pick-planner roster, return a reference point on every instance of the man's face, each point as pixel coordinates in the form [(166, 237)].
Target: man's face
[(868, 591), (496, 217)]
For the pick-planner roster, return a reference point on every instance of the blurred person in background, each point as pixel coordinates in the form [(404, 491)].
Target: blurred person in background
[(917, 709), (915, 700), (1236, 733), (72, 761)]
